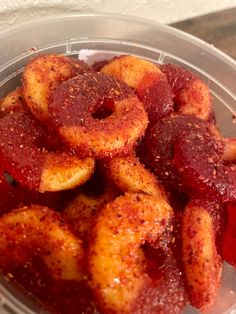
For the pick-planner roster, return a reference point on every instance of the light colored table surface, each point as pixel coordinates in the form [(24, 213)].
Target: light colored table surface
[(164, 11)]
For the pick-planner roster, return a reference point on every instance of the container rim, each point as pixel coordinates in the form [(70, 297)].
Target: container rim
[(169, 29)]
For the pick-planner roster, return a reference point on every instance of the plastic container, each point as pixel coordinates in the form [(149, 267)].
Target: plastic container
[(100, 36)]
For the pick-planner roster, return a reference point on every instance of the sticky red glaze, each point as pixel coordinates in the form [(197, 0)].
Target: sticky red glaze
[(166, 293), (140, 150), (49, 199), (93, 104), (191, 95), (228, 243), (19, 135), (76, 100), (177, 76), (159, 146), (23, 148), (14, 195), (197, 156), (155, 259), (178, 200), (57, 296), (97, 66), (155, 92), (9, 195)]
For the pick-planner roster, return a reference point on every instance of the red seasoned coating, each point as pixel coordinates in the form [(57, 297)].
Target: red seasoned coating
[(155, 92), (129, 175), (228, 243), (81, 208), (148, 81), (178, 77), (116, 261), (202, 264), (13, 195), (12, 101), (97, 115), (197, 156), (19, 131), (166, 293), (97, 66), (71, 105), (80, 67), (159, 145), (214, 208), (25, 156), (42, 75), (192, 95), (217, 212), (9, 195), (57, 296), (39, 231), (31, 197), (81, 211)]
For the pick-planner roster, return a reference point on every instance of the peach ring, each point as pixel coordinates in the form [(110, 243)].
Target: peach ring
[(229, 153), (80, 213), (97, 115), (40, 231), (12, 101), (203, 266), (198, 158), (229, 149), (129, 175), (116, 260), (24, 156), (149, 82), (160, 141), (191, 94), (42, 75)]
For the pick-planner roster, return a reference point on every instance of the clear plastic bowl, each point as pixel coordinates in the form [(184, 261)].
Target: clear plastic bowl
[(95, 37)]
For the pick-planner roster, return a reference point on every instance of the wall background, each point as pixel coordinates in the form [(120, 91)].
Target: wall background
[(164, 11)]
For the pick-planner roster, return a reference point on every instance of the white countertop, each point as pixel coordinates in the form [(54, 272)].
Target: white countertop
[(164, 11)]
